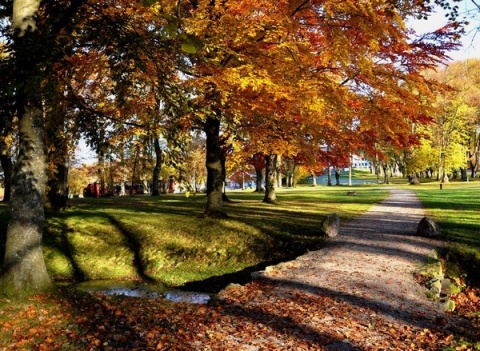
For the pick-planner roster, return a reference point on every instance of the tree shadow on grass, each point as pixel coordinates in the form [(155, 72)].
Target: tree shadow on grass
[(135, 246), (62, 244)]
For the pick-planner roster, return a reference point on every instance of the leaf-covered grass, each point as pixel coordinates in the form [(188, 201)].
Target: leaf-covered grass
[(456, 208), (111, 238), (164, 239)]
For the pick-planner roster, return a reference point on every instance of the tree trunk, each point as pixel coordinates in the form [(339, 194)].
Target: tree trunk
[(385, 174), (24, 271), (314, 179), (477, 159), (278, 170), (329, 175), (445, 177), (57, 190), (260, 181), (270, 196), (259, 164), (7, 166), (337, 176), (134, 171), (291, 175), (215, 177), (158, 167), (223, 160), (414, 179), (57, 195)]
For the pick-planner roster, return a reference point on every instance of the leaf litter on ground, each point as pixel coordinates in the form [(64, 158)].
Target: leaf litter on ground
[(257, 316)]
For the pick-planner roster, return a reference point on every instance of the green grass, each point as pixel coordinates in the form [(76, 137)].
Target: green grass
[(456, 208), (165, 239)]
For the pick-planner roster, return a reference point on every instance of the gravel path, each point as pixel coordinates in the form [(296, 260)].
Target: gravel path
[(371, 262)]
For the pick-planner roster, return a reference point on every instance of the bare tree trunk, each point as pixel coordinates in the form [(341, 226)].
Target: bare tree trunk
[(223, 160), (337, 176), (215, 175), (270, 196), (158, 167), (385, 173), (329, 175), (259, 164), (24, 271), (57, 190), (7, 166), (278, 171)]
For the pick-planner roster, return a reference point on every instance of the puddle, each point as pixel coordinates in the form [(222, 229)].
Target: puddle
[(132, 289), (185, 296)]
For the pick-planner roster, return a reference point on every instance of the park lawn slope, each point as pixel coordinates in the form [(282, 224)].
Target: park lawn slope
[(165, 239)]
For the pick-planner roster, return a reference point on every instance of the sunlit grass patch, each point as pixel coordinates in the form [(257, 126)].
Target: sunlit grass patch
[(166, 240), (457, 210)]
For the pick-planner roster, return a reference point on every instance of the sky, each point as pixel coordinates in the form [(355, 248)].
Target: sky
[(470, 41)]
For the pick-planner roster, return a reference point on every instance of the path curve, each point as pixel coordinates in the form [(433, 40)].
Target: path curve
[(371, 262)]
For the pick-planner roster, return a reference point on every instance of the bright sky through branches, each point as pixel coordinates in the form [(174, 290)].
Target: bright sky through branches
[(470, 41)]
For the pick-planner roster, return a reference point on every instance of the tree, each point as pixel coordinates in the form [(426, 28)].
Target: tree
[(23, 271), (258, 160), (456, 122), (7, 112)]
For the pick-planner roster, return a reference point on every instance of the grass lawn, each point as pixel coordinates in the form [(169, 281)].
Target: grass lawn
[(456, 208), (164, 240)]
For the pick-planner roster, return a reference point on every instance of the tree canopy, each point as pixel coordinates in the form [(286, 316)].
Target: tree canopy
[(284, 78)]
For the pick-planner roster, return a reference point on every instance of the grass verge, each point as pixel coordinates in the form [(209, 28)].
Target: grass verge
[(456, 209), (164, 240)]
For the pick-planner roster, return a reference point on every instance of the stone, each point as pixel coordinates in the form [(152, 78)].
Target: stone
[(257, 274), (428, 228), (331, 225), (447, 306)]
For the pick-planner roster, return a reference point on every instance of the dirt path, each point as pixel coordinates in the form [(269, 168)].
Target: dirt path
[(372, 260), (358, 293)]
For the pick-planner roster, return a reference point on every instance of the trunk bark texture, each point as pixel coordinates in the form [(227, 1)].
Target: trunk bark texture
[(57, 192), (270, 196), (337, 176), (260, 172), (215, 175), (223, 160), (329, 175), (278, 171), (7, 166), (158, 167), (24, 271)]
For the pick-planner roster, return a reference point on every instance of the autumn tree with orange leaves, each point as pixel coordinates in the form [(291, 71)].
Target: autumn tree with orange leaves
[(293, 71), (288, 76)]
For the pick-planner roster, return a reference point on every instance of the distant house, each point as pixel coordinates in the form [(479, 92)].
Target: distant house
[(360, 162), (240, 180)]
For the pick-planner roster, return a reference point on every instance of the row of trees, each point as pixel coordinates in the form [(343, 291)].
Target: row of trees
[(275, 79), (448, 147)]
